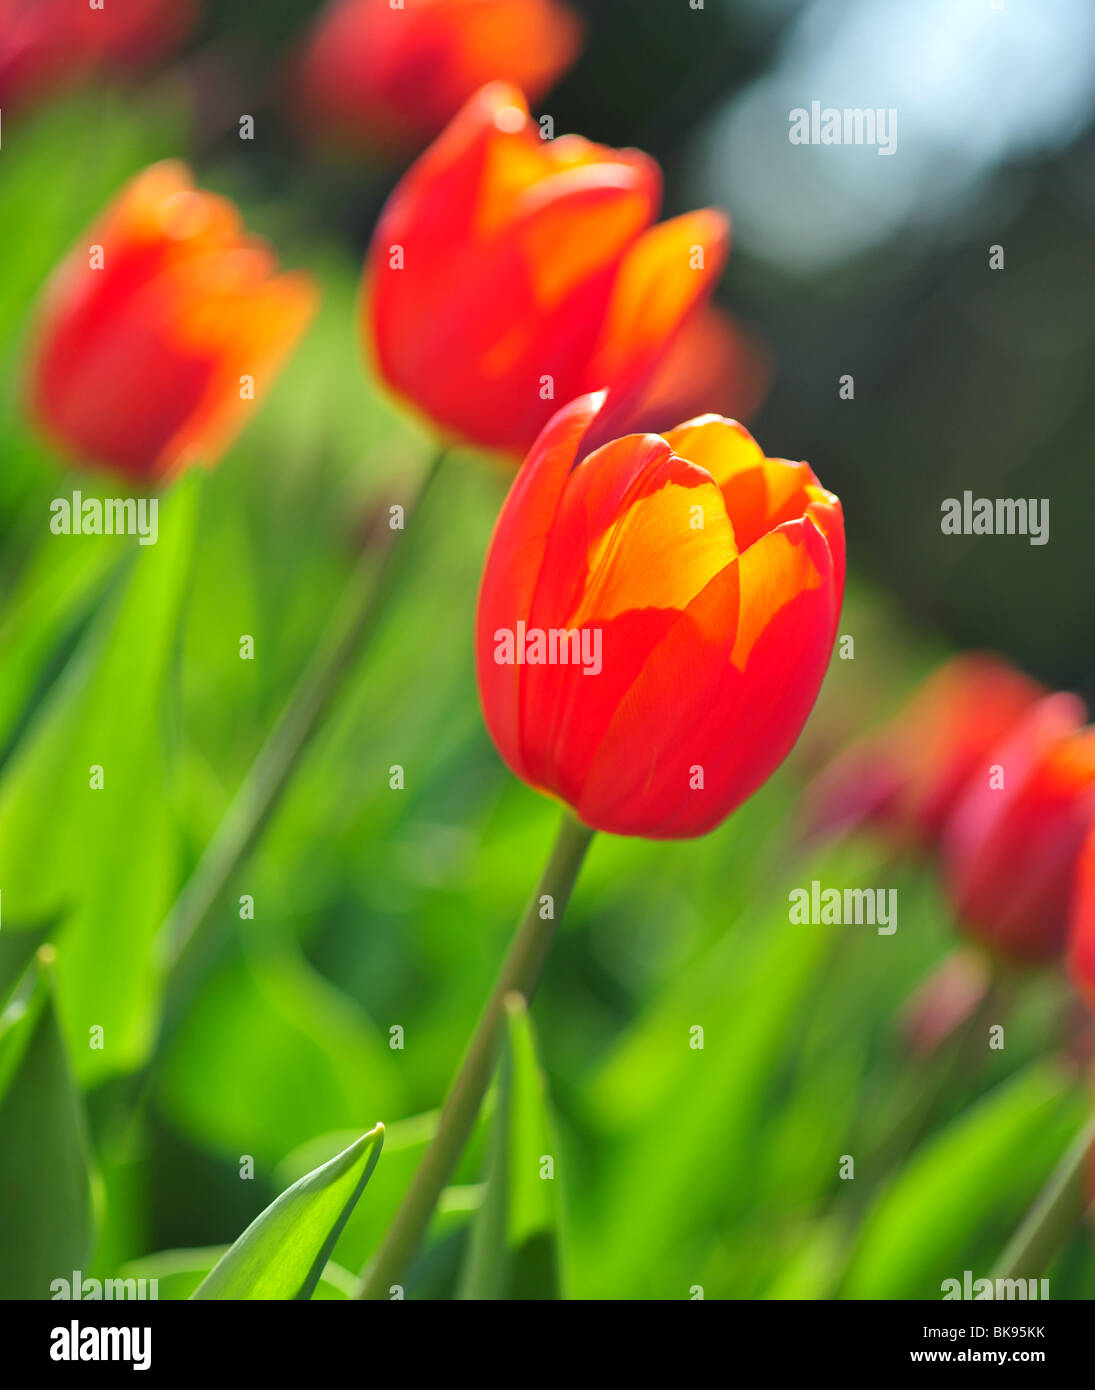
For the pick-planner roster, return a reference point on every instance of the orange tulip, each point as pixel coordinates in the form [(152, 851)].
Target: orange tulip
[(907, 777), (377, 77), (508, 273), (1081, 953), (655, 619), (46, 44), (1011, 847), (145, 341)]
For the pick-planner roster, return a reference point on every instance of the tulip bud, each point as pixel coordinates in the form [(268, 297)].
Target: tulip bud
[(508, 274), (906, 778), (655, 619), (1011, 847), (154, 331)]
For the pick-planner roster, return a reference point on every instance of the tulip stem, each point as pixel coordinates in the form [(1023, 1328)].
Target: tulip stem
[(520, 972), (365, 604), (1053, 1217)]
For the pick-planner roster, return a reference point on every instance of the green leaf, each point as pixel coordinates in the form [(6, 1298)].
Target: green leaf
[(46, 1180), (178, 1273), (953, 1203), (405, 1143), (283, 1252), (514, 1248), (111, 851)]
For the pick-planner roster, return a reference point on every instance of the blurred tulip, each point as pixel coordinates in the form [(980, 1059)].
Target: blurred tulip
[(375, 77), (1011, 847), (149, 328), (508, 273), (1081, 955), (49, 44), (712, 366), (691, 589), (906, 778)]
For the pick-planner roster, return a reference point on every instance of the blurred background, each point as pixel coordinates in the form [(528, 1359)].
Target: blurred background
[(377, 908)]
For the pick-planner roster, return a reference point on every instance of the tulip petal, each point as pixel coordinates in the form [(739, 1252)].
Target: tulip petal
[(728, 698), (514, 562), (631, 497), (659, 285)]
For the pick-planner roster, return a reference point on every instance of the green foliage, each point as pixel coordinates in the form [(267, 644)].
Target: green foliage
[(965, 1189), (88, 777), (513, 1251), (47, 1209)]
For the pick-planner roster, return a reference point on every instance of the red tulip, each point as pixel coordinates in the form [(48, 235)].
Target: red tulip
[(46, 44), (907, 777), (375, 76), (144, 340), (508, 273), (655, 619), (1010, 851)]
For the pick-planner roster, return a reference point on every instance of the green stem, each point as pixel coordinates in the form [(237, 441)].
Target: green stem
[(366, 601), (520, 971), (1053, 1217)]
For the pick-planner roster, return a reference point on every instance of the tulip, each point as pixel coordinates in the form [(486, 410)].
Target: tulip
[(154, 331), (48, 44), (1011, 847), (377, 77), (906, 778), (655, 620), (508, 273)]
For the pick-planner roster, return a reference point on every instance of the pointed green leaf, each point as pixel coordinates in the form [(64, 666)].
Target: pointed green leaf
[(283, 1252), (514, 1247), (178, 1273), (46, 1181)]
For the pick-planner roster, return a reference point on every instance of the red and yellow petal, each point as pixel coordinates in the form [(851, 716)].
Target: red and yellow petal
[(514, 561)]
